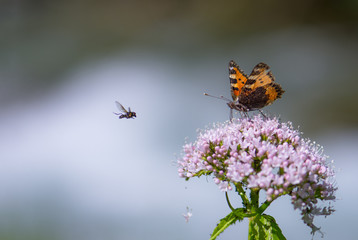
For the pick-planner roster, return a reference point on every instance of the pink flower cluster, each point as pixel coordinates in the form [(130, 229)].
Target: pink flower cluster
[(262, 154)]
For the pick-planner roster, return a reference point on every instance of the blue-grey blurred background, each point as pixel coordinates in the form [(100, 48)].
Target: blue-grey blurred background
[(70, 169)]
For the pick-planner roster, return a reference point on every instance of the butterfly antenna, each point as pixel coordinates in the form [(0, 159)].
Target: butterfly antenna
[(221, 97)]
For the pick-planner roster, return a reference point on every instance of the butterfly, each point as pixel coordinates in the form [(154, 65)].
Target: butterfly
[(125, 114), (252, 92)]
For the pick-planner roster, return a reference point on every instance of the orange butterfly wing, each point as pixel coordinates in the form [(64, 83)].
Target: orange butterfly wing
[(261, 77), (237, 80)]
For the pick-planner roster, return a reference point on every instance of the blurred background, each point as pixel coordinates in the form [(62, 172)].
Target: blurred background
[(70, 169)]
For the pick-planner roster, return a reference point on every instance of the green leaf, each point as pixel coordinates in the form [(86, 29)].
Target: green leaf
[(202, 172), (264, 227), (230, 219), (212, 146), (238, 148), (264, 137)]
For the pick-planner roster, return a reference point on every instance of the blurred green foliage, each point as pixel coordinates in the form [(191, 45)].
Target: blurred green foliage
[(41, 39)]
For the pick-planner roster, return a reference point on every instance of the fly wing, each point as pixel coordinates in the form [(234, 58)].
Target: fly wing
[(120, 107)]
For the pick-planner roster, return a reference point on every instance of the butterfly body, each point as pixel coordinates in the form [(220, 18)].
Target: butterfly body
[(255, 91), (125, 114)]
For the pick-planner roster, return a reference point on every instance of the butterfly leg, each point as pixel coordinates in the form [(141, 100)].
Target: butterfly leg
[(239, 107), (262, 113), (243, 110), (231, 115)]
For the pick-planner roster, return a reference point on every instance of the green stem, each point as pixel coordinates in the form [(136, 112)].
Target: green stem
[(251, 227), (228, 202), (263, 207), (242, 193), (254, 196)]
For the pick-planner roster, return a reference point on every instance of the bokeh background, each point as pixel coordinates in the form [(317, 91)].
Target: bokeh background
[(70, 169)]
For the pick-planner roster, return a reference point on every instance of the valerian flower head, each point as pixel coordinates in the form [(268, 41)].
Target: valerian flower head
[(263, 154)]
